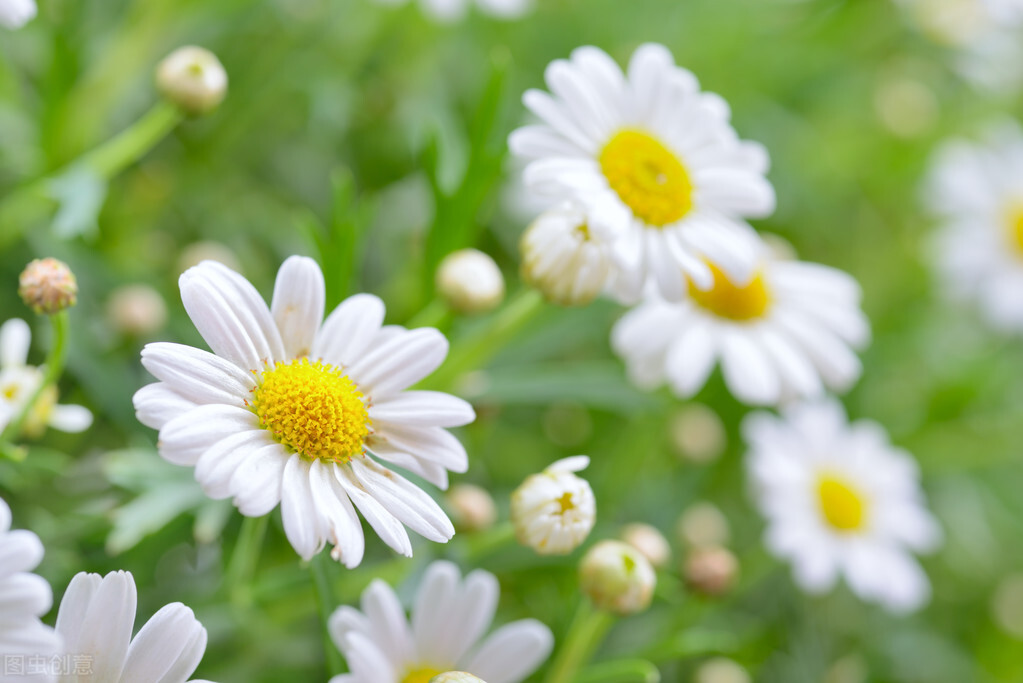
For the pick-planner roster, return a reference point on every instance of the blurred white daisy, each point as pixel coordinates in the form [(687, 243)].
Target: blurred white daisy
[(95, 621), (453, 10), (16, 13), (655, 158), (788, 332), (976, 191), (19, 383), (24, 597), (449, 619), (289, 409), (841, 500), (554, 511)]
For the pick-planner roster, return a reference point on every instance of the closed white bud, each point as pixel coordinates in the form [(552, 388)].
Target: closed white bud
[(136, 310), (193, 79), (703, 525), (48, 286), (698, 434), (472, 507), (456, 677), (554, 511), (711, 571), (197, 252), (649, 541), (470, 282), (563, 258), (721, 670), (617, 578)]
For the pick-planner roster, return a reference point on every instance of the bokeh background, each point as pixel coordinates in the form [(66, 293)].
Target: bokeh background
[(373, 139)]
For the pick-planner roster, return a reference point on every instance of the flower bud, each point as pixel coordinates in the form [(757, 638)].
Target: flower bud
[(16, 13), (470, 282), (721, 670), (193, 79), (649, 541), (617, 578), (48, 286), (136, 310), (472, 508), (698, 434), (456, 677), (563, 258), (703, 525), (554, 511), (197, 252), (711, 571)]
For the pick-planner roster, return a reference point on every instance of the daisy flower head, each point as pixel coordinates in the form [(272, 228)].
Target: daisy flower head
[(20, 381), (655, 158), (293, 409), (840, 500), (24, 597), (976, 193), (95, 621), (447, 11), (445, 633), (16, 13), (555, 510), (787, 332)]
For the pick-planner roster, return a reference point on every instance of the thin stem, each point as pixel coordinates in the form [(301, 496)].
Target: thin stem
[(326, 603), (54, 367), (434, 314), (589, 626), (131, 144), (241, 569)]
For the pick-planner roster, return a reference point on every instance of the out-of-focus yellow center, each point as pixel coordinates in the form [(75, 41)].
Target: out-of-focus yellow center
[(421, 675), (647, 177), (1016, 227), (313, 409), (843, 507), (726, 299), (10, 391)]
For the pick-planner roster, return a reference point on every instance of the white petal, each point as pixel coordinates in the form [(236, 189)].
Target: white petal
[(167, 649), (183, 439), (101, 622), (298, 304), (15, 339), (424, 409), (218, 463), (691, 358), (383, 522), (403, 499), (70, 418), (749, 373), (299, 514), (434, 444), (157, 404), (198, 375), (437, 593), (349, 329), (256, 486), (512, 652), (340, 523), (400, 362)]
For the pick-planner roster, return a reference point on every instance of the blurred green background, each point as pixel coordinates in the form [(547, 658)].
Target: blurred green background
[(373, 139)]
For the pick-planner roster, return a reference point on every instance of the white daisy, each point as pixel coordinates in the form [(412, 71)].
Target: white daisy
[(24, 597), (655, 158), (453, 10), (95, 620), (449, 619), (16, 13), (295, 410), (786, 333), (554, 511), (976, 191), (19, 383), (841, 500)]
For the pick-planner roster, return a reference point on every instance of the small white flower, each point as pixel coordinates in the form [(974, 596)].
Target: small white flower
[(787, 332), (24, 597), (841, 500), (95, 620), (16, 13), (295, 410), (655, 158), (976, 191), (449, 619), (454, 10), (554, 511), (19, 382)]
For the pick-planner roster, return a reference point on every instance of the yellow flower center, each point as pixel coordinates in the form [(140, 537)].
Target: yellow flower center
[(1016, 227), (565, 503), (726, 299), (843, 507), (313, 409), (421, 675), (647, 177)]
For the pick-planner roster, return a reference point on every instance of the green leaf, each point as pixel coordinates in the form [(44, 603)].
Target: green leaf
[(80, 193)]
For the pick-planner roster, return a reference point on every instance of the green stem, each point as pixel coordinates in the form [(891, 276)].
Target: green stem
[(54, 367), (241, 569), (434, 314), (130, 145), (326, 602), (589, 626)]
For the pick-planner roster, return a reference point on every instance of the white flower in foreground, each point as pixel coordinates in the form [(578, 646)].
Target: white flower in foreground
[(295, 410), (450, 616), (655, 158), (16, 13), (453, 10), (19, 383), (24, 597), (554, 511), (841, 500), (976, 190), (95, 620), (788, 332)]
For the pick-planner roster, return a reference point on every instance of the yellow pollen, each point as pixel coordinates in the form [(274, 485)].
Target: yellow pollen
[(725, 299), (1016, 227), (843, 507), (647, 177), (566, 504), (10, 392), (421, 675), (313, 409)]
